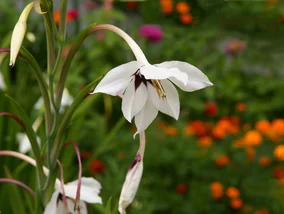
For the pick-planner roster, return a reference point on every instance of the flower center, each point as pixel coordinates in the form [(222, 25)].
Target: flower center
[(139, 78), (159, 88)]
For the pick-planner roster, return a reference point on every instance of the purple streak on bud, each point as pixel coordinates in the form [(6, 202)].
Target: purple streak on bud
[(136, 160)]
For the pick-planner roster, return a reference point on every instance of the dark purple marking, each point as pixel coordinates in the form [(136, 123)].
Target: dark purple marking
[(134, 163)]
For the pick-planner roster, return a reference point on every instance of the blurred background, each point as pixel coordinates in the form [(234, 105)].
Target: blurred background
[(224, 155)]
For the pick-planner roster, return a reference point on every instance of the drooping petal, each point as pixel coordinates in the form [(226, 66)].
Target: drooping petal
[(55, 204), (133, 178), (133, 100), (196, 79), (170, 104), (90, 188), (159, 73), (117, 79), (146, 116)]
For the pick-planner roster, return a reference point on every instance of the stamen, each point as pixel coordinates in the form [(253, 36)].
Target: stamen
[(159, 88)]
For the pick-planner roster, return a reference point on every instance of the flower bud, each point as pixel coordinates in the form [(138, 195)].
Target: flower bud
[(133, 178), (19, 33)]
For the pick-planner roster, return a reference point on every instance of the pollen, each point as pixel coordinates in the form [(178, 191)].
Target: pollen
[(159, 88)]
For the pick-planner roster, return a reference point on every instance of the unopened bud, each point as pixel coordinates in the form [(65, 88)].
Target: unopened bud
[(19, 33)]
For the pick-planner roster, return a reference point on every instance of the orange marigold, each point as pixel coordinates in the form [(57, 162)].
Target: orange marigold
[(241, 107), (263, 126), (210, 109), (186, 18), (232, 192), (222, 160), (252, 138), (170, 130), (182, 7), (236, 203), (278, 126), (216, 190), (250, 153), (167, 6), (264, 161), (279, 152), (205, 141), (56, 16)]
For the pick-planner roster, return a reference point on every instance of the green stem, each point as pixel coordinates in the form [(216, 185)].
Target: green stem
[(62, 21), (67, 62), (42, 84), (57, 144)]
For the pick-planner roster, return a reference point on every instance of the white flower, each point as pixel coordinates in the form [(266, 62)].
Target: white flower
[(24, 142), (90, 188), (148, 89), (67, 100)]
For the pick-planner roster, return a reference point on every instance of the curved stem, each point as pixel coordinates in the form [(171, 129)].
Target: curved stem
[(139, 55), (13, 181)]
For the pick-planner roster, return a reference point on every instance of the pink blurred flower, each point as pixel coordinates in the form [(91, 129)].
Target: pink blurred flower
[(100, 36), (72, 14), (152, 33), (234, 46)]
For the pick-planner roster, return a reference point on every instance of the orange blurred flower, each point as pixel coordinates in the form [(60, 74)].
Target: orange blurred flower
[(252, 138), (182, 7), (263, 126), (218, 133), (210, 109), (232, 192), (264, 161), (162, 125), (186, 18), (167, 6), (250, 153), (56, 16), (216, 190), (241, 107), (279, 152), (198, 128), (170, 130), (261, 212), (236, 203), (278, 173), (96, 166), (181, 189), (205, 141), (222, 160), (278, 126)]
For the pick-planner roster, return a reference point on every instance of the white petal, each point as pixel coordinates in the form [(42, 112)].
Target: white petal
[(196, 79), (24, 143), (117, 79), (39, 104), (169, 105), (133, 100), (145, 117), (67, 99), (90, 189), (130, 186), (2, 83), (71, 204), (51, 207), (158, 73)]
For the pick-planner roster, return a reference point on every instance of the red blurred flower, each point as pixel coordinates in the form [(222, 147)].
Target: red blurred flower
[(72, 14), (181, 189), (152, 33), (211, 109), (131, 5), (96, 166)]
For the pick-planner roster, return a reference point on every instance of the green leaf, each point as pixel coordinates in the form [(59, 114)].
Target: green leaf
[(108, 207), (31, 135)]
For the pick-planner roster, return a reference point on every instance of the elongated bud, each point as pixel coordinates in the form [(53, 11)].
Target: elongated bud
[(133, 178), (19, 33)]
